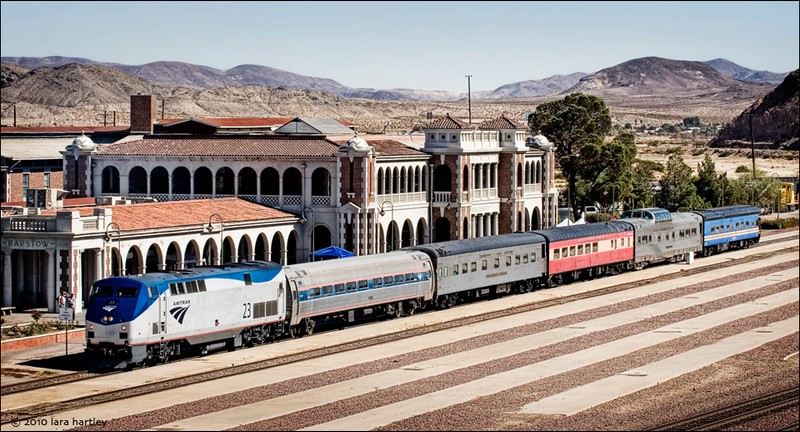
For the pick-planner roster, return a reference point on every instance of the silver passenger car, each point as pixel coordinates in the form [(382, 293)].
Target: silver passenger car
[(662, 236), (393, 283), (486, 266)]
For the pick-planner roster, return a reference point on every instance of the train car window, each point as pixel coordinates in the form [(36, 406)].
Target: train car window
[(315, 292), (387, 280), (497, 263), (201, 285), (363, 284), (556, 253), (474, 267), (594, 247), (484, 265), (351, 286), (517, 259), (455, 269), (464, 268), (103, 291), (564, 252), (398, 279), (572, 251), (340, 287), (247, 279), (173, 289), (327, 289), (525, 259), (580, 249), (533, 256), (127, 292), (409, 277), (508, 261), (377, 282)]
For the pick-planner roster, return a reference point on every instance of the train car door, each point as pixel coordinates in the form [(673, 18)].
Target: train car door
[(291, 301), (162, 314)]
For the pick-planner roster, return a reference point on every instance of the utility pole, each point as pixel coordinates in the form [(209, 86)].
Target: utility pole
[(469, 98)]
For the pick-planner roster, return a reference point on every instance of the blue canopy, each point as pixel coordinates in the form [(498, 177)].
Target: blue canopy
[(332, 252)]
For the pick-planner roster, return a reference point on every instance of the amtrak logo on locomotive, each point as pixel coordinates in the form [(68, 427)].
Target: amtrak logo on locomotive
[(179, 313)]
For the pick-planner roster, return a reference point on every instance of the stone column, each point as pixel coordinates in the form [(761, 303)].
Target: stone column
[(50, 284), (7, 293)]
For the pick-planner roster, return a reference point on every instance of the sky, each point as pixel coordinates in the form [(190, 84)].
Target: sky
[(425, 45)]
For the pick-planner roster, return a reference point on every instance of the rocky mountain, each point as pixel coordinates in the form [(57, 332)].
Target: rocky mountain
[(773, 121), (532, 88), (642, 91), (732, 69)]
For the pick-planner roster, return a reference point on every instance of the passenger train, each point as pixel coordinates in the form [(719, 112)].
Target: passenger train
[(152, 318)]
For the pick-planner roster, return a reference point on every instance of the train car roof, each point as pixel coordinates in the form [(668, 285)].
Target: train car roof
[(585, 230), (453, 247), (677, 218), (729, 211), (204, 272)]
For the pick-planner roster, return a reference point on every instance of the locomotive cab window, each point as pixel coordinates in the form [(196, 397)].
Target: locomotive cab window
[(247, 279), (103, 291), (127, 292)]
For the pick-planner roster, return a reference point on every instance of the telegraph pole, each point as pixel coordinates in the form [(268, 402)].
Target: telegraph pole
[(469, 98)]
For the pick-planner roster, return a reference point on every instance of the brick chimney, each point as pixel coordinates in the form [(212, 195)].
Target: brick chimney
[(143, 113)]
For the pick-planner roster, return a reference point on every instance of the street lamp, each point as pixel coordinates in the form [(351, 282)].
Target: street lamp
[(311, 232), (210, 228), (107, 238), (389, 231)]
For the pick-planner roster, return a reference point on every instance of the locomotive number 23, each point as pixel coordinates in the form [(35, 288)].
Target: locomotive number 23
[(247, 310)]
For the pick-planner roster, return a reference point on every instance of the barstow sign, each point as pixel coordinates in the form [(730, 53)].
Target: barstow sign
[(28, 244)]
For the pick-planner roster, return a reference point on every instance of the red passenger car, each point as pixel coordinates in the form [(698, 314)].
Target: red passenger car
[(583, 251)]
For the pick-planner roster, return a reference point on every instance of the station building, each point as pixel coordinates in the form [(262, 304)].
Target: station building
[(188, 192)]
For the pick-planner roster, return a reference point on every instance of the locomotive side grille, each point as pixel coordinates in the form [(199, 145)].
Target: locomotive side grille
[(263, 309), (155, 328), (259, 310)]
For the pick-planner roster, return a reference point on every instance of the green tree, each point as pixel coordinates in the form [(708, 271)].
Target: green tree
[(678, 192), (708, 182), (607, 169), (691, 122), (571, 124), (641, 194)]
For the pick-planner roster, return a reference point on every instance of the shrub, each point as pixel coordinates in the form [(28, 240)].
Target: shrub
[(597, 217), (779, 224)]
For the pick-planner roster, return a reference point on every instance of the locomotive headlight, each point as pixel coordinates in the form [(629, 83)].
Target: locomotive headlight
[(91, 327), (105, 318), (123, 327), (111, 318)]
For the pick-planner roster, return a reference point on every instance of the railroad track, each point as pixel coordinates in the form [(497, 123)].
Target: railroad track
[(733, 415), (45, 409)]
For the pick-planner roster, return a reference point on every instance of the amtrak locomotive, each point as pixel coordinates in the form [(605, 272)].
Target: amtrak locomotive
[(147, 319)]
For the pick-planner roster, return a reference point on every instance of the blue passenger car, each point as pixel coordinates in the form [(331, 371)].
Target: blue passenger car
[(732, 227)]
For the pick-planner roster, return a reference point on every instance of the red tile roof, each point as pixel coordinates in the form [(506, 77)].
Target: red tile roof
[(172, 214), (389, 148), (222, 146), (501, 122), (449, 123)]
